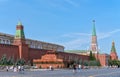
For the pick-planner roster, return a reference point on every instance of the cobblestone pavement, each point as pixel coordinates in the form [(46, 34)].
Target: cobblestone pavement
[(104, 72)]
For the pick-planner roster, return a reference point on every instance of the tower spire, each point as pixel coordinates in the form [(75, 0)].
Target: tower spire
[(113, 47), (19, 23), (19, 31), (93, 30), (94, 45), (113, 54), (19, 41), (19, 35)]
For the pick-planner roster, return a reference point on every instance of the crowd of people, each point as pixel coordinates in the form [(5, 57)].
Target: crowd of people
[(15, 68), (77, 67)]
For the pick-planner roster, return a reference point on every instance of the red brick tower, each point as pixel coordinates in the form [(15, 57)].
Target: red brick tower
[(113, 54), (19, 40), (94, 45)]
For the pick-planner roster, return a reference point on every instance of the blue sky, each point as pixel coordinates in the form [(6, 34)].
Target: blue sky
[(64, 22)]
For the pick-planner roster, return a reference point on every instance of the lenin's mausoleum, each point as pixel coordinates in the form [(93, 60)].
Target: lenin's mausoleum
[(43, 54)]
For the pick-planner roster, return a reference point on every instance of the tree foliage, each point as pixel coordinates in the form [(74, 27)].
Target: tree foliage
[(10, 61), (3, 60), (85, 63), (20, 62), (92, 57), (114, 63), (94, 63)]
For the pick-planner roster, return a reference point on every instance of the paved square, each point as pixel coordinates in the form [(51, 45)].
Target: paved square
[(106, 72)]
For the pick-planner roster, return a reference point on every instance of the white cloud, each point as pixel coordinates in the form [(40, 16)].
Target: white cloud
[(76, 43), (115, 31), (61, 4), (77, 40), (108, 34), (72, 2), (75, 35), (57, 4)]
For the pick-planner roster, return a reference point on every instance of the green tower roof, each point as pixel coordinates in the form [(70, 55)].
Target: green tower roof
[(113, 47), (93, 30), (19, 34), (19, 31)]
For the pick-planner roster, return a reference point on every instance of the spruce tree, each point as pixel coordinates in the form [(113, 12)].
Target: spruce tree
[(3, 60), (92, 57)]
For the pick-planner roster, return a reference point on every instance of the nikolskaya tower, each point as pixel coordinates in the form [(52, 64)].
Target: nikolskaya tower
[(94, 44)]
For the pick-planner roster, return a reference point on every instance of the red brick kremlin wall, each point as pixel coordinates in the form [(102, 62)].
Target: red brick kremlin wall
[(9, 50), (30, 54), (35, 53), (13, 50)]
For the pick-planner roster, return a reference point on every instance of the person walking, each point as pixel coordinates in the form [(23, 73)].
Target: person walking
[(7, 68), (74, 68), (79, 66)]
